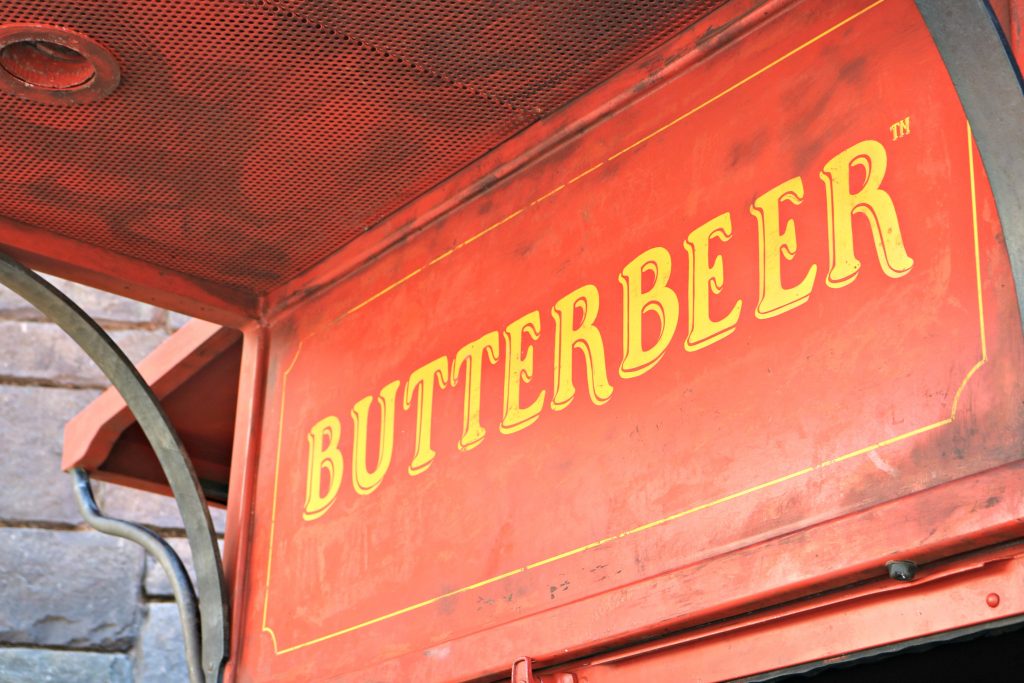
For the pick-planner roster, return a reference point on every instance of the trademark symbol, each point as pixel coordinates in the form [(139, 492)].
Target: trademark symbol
[(900, 129)]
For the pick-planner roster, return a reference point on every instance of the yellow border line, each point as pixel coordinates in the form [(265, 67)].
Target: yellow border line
[(273, 504), (746, 80), (977, 270), (644, 527), (586, 173)]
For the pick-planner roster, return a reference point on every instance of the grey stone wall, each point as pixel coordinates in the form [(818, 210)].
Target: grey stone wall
[(75, 605)]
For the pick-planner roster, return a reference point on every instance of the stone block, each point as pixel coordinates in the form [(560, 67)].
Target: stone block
[(102, 306), (157, 585), (41, 351), (160, 654), (69, 589), (35, 665), (176, 321), (143, 507), (31, 426)]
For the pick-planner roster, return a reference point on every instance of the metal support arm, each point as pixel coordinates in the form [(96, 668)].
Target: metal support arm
[(169, 450), (988, 83)]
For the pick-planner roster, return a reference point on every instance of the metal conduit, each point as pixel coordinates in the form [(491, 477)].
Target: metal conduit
[(184, 595)]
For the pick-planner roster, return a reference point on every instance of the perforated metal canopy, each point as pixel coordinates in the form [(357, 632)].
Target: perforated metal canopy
[(247, 141)]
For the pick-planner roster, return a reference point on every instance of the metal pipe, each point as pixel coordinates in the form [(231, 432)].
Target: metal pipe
[(184, 595)]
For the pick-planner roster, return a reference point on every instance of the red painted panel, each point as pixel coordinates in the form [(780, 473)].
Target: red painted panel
[(786, 404), (195, 375), (975, 589)]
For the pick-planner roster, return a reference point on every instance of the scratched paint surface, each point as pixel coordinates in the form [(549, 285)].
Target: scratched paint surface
[(774, 404)]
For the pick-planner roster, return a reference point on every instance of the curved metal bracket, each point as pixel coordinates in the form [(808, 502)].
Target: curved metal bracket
[(988, 83), (213, 608), (184, 595)]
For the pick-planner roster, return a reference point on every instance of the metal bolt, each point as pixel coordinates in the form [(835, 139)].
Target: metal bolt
[(901, 570), (992, 600)]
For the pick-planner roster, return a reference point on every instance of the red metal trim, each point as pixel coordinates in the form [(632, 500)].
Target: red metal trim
[(952, 595), (1013, 25), (50, 253), (90, 435), (522, 672), (842, 599), (245, 456)]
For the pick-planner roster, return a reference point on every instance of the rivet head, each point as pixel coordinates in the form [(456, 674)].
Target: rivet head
[(992, 600), (901, 570)]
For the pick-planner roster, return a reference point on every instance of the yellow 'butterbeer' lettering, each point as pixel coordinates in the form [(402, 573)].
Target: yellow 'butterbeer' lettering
[(871, 202), (645, 293), (365, 480), (518, 371), (706, 279), (471, 356), (772, 244), (658, 300), (421, 384), (583, 337), (324, 458)]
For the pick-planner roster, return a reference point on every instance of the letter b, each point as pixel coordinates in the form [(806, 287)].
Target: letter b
[(324, 456), (659, 300)]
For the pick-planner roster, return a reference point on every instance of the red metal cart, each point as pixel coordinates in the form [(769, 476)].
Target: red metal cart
[(587, 341)]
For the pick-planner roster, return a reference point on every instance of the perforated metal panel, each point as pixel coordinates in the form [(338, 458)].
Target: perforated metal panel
[(250, 140)]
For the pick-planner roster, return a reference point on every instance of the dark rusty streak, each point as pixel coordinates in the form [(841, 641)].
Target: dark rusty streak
[(389, 53)]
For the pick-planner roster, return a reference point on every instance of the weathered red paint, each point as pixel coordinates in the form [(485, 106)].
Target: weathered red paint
[(951, 595), (862, 420), (248, 141)]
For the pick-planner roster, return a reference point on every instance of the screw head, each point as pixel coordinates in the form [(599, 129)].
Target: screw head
[(901, 570), (992, 600)]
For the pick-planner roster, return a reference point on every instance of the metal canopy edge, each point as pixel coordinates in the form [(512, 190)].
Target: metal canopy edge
[(988, 84)]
